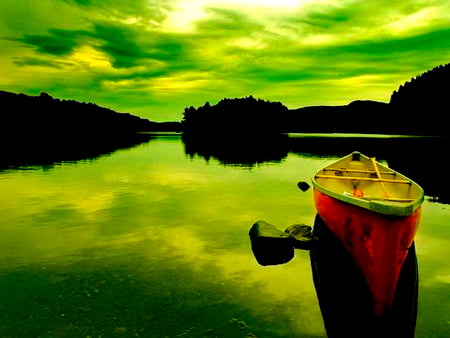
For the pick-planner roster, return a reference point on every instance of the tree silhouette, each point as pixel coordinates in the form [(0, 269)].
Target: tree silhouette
[(240, 115), (423, 103)]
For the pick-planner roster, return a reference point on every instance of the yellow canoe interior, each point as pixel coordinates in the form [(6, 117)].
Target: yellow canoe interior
[(360, 180)]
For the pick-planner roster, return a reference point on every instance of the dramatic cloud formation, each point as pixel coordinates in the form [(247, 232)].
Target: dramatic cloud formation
[(153, 58)]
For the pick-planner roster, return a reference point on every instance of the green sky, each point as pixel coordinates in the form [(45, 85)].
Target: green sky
[(153, 58)]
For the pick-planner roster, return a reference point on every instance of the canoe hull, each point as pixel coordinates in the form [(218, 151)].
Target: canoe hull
[(378, 243)]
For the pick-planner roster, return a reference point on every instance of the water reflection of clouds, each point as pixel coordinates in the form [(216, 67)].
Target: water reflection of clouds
[(179, 246), (179, 179), (287, 283), (93, 203)]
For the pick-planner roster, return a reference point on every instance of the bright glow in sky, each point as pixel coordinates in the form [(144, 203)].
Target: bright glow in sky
[(153, 58)]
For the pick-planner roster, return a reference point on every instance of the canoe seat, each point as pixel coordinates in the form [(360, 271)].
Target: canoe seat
[(361, 171), (360, 178)]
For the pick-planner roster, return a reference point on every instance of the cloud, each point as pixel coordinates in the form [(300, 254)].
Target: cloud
[(119, 43), (221, 22), (57, 42), (150, 12), (38, 61)]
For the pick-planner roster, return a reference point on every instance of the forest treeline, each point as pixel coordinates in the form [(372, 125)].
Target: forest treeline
[(235, 115), (418, 107), (44, 114), (429, 89)]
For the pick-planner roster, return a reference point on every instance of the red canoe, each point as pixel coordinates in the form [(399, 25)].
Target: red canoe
[(374, 211)]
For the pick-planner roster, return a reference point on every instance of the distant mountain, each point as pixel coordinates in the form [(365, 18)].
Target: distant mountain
[(356, 117)]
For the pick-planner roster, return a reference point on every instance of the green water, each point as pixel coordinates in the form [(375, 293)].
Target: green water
[(151, 242)]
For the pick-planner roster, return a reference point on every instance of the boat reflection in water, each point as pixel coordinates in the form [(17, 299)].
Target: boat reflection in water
[(345, 299)]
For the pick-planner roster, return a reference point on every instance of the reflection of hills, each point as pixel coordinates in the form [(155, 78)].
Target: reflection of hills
[(238, 150), (48, 150)]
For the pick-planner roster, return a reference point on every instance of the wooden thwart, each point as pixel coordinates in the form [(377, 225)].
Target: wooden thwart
[(359, 171), (363, 179)]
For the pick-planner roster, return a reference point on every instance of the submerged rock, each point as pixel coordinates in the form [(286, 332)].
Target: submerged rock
[(271, 246)]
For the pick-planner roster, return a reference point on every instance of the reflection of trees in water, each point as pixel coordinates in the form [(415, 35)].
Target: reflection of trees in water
[(47, 150), (238, 150), (419, 158)]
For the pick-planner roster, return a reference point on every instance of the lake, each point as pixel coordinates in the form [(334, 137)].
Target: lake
[(153, 241)]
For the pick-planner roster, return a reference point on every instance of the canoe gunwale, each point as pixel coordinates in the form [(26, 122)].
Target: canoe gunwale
[(385, 206)]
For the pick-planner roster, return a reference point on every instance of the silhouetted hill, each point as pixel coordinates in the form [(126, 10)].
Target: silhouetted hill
[(43, 114), (250, 115), (419, 107), (368, 117)]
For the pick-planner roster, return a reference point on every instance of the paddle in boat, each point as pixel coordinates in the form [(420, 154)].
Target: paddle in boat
[(374, 212)]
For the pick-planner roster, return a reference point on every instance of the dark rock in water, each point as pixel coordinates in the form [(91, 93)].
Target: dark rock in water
[(301, 235), (270, 246), (303, 186)]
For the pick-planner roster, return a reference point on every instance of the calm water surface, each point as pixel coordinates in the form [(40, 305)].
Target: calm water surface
[(152, 242)]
